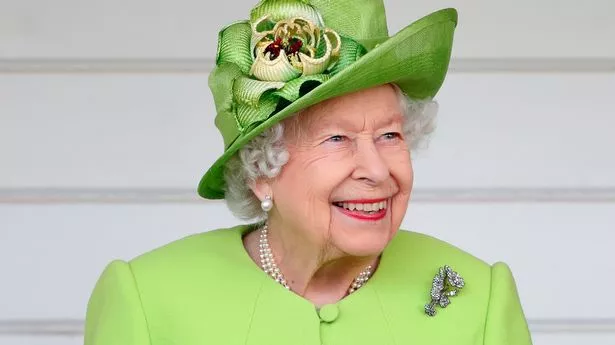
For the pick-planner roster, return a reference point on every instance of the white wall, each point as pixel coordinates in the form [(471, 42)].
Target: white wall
[(106, 125)]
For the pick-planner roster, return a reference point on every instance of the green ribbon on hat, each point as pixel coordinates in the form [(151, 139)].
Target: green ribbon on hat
[(261, 64)]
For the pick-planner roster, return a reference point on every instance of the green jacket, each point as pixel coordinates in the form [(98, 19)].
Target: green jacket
[(205, 289)]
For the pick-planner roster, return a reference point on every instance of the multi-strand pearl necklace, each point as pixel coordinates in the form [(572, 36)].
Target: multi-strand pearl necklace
[(272, 269)]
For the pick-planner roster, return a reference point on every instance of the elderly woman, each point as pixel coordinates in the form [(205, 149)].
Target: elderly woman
[(319, 110)]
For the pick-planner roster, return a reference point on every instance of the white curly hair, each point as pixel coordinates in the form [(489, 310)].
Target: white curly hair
[(265, 155)]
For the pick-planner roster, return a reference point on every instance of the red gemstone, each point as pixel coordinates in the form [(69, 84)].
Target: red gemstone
[(274, 48), (294, 46)]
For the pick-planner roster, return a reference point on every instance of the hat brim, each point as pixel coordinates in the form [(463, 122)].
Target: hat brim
[(416, 59)]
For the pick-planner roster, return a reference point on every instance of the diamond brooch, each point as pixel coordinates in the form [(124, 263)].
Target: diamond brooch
[(446, 284)]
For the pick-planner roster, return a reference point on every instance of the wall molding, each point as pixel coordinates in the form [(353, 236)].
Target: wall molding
[(533, 65), (422, 195), (559, 326), (73, 327), (204, 65), (41, 327)]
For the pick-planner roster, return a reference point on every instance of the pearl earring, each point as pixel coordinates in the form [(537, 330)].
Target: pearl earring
[(267, 204)]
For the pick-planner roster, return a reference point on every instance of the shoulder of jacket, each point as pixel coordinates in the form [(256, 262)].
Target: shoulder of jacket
[(433, 247), (430, 253), (207, 249), (203, 277)]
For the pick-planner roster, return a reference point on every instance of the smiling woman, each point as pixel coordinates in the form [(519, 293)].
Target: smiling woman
[(319, 115), (266, 154), (351, 151)]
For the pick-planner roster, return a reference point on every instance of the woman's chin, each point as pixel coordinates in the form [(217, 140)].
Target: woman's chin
[(354, 248), (359, 235)]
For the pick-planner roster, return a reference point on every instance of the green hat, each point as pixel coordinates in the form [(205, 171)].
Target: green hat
[(295, 53)]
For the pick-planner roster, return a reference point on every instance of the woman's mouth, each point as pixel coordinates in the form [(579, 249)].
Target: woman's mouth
[(373, 209)]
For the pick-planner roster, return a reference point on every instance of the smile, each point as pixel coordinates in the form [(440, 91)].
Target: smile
[(372, 210)]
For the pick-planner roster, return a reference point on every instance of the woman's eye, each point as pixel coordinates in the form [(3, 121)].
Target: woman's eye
[(336, 138), (391, 135)]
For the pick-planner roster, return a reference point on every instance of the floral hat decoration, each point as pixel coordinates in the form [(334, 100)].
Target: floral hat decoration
[(292, 54)]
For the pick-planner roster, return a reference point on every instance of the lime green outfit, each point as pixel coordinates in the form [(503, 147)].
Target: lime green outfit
[(205, 289)]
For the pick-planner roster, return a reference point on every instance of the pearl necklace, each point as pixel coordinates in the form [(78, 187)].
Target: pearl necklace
[(271, 268)]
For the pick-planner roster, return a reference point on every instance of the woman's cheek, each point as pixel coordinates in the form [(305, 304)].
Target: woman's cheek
[(399, 162)]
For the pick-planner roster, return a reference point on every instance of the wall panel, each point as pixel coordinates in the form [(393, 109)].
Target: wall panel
[(156, 131), (168, 29)]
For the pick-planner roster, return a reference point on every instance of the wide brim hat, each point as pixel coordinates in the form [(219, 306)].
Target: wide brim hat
[(292, 54)]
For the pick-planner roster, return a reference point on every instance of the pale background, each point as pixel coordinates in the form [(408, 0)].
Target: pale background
[(106, 124)]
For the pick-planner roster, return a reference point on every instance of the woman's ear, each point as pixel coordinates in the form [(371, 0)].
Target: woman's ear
[(261, 188)]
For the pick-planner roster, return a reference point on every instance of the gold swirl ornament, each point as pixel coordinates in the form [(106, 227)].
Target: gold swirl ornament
[(290, 49)]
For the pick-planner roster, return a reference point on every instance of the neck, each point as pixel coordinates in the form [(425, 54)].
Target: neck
[(319, 273), (331, 281)]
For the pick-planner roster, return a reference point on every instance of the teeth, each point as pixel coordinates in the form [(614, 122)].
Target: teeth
[(364, 207)]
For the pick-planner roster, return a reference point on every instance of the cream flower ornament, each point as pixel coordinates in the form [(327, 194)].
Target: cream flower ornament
[(281, 53), (292, 48)]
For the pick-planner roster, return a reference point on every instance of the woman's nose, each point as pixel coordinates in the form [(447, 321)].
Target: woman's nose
[(370, 165)]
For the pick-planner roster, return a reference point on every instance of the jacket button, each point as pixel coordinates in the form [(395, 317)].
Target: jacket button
[(328, 313)]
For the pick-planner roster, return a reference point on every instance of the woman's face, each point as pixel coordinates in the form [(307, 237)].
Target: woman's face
[(347, 155)]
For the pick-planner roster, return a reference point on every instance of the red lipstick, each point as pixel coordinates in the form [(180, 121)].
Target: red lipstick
[(364, 216)]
